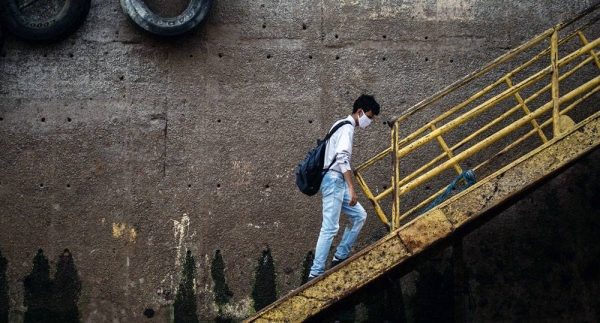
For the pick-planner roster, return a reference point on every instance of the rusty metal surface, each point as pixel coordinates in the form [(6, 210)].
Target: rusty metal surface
[(523, 172)]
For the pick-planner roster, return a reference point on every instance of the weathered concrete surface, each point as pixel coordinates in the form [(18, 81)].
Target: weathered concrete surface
[(128, 150)]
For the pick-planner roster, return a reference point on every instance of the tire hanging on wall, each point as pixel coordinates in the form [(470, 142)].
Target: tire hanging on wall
[(47, 30), (162, 26)]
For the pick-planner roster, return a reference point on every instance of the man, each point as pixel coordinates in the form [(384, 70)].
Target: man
[(338, 190)]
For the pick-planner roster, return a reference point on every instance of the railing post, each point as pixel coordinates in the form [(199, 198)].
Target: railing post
[(395, 178), (555, 93)]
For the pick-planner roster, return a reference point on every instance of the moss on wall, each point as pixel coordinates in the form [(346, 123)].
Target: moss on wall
[(220, 288), (4, 305), (52, 300), (186, 301), (264, 290)]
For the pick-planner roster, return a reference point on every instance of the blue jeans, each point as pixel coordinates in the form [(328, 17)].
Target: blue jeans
[(336, 198)]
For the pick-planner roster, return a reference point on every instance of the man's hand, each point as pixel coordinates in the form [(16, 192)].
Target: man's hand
[(353, 197)]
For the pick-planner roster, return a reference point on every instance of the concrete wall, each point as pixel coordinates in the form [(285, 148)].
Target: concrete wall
[(130, 150)]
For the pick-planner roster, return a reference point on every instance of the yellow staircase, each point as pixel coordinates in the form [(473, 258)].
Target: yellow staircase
[(519, 129)]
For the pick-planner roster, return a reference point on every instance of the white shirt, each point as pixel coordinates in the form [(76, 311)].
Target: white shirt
[(339, 146)]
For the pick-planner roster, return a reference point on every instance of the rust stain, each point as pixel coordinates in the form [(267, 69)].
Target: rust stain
[(424, 230)]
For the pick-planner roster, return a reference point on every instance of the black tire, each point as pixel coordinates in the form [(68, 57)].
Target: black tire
[(48, 30), (186, 21)]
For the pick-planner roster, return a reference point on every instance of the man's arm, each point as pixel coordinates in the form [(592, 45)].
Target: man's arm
[(353, 196)]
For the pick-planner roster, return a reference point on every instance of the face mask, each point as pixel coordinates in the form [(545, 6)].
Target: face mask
[(364, 121)]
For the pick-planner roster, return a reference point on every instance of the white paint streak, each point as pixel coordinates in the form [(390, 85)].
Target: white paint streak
[(180, 230)]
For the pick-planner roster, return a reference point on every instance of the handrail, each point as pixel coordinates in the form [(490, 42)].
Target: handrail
[(582, 81)]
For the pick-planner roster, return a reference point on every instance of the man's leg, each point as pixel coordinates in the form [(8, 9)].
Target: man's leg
[(332, 189), (357, 215)]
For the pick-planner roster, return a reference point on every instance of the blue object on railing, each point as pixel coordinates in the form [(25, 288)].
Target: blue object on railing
[(469, 179)]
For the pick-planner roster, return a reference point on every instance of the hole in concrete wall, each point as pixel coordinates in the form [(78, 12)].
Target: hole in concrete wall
[(68, 185), (45, 55), (426, 59), (384, 36), (71, 55), (383, 58), (310, 121), (105, 53), (3, 54), (336, 36), (427, 188), (385, 187), (191, 55), (264, 26), (69, 119), (426, 37), (220, 55), (219, 120), (337, 57), (269, 56), (149, 313), (309, 56), (121, 77), (267, 186), (43, 119), (303, 26), (189, 185), (451, 61), (1, 119), (41, 184), (218, 185)]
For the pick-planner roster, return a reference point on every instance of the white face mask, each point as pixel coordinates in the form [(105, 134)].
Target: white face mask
[(364, 121)]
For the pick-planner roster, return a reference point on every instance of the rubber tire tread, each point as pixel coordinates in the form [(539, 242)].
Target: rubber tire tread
[(53, 29), (163, 26)]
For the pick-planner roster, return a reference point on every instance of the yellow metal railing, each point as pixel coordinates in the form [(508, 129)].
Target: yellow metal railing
[(549, 73)]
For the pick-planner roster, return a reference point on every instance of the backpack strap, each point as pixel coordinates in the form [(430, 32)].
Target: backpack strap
[(333, 130)]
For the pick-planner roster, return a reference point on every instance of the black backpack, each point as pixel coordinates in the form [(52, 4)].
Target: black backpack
[(310, 171)]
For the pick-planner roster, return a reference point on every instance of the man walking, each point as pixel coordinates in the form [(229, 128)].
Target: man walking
[(338, 190)]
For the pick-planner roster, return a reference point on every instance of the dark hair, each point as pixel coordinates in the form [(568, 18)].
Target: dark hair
[(366, 103)]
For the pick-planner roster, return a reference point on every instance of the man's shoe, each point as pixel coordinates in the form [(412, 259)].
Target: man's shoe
[(311, 277), (336, 261)]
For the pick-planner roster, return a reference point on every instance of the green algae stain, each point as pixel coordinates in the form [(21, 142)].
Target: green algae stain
[(221, 290), (38, 291), (186, 304), (52, 300), (308, 260), (264, 291), (66, 289)]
